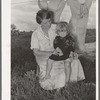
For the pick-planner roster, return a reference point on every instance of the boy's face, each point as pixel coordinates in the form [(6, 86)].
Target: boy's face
[(62, 33), (46, 23)]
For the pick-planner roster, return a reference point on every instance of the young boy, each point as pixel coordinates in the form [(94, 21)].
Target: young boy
[(64, 48)]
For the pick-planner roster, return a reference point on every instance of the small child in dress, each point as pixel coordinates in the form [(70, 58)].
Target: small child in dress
[(64, 48)]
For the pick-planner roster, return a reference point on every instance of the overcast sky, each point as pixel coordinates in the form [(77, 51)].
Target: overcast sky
[(23, 14)]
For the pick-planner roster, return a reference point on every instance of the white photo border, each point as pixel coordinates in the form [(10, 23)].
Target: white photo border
[(6, 50)]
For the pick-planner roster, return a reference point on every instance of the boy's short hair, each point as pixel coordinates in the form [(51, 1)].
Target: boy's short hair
[(44, 14), (62, 25)]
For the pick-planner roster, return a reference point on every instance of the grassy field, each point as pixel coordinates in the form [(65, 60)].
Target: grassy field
[(24, 83)]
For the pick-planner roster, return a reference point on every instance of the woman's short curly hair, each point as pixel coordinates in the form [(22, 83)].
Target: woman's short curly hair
[(44, 14)]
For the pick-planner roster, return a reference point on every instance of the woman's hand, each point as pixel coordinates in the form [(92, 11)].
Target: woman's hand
[(55, 52), (75, 55), (71, 55), (59, 52)]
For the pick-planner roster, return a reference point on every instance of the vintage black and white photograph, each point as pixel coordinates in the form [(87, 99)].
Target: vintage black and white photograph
[(53, 49)]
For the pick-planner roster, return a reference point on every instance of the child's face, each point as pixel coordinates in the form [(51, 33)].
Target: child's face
[(46, 23), (62, 33)]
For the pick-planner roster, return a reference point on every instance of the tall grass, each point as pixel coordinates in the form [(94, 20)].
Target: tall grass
[(28, 88)]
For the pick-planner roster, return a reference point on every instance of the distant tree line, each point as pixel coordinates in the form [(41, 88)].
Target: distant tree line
[(15, 31)]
